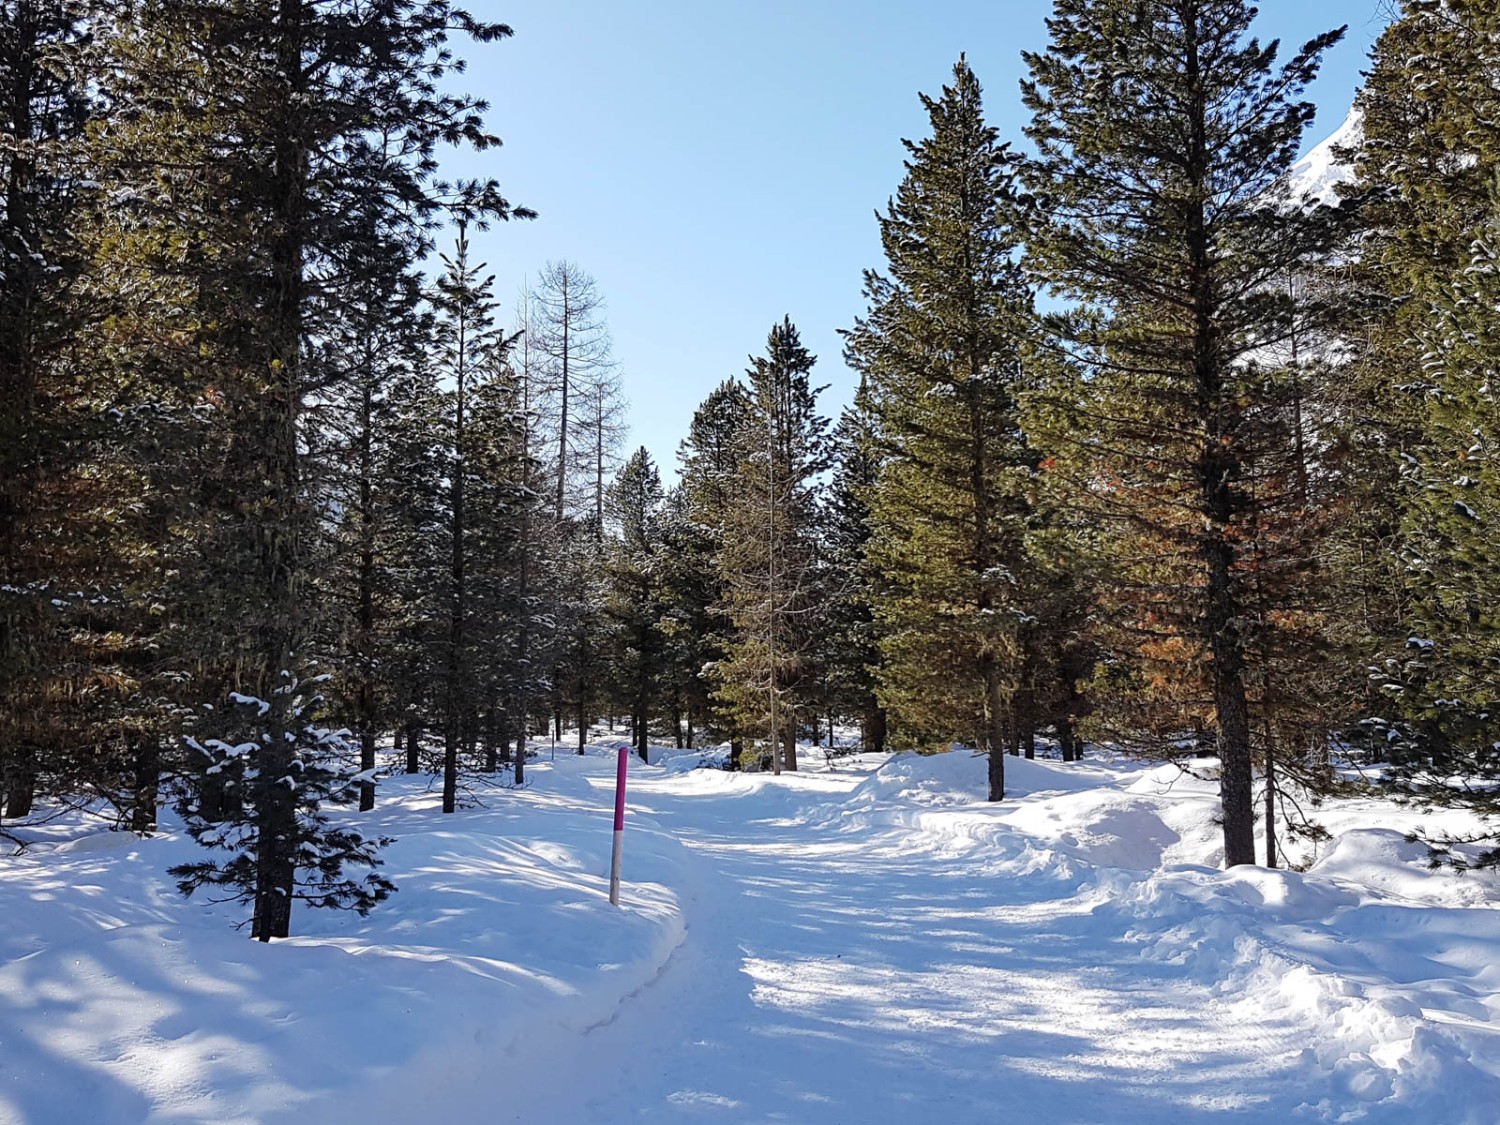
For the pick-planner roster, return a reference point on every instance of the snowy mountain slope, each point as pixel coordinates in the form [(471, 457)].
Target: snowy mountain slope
[(1317, 176), (874, 943)]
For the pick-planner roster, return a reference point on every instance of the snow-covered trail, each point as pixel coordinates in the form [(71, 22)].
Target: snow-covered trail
[(869, 945), (839, 969)]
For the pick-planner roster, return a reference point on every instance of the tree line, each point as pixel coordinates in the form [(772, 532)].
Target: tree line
[(1146, 450)]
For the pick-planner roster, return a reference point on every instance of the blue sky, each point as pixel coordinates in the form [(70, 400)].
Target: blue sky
[(716, 165)]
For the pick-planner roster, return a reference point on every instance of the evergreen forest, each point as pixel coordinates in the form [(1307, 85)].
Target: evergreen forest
[(1155, 449)]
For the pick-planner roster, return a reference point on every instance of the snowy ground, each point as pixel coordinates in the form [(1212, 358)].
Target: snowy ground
[(867, 944)]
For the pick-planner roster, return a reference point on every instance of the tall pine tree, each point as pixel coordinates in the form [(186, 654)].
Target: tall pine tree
[(1161, 129)]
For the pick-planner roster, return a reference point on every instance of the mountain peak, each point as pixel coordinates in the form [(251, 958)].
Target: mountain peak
[(1320, 172)]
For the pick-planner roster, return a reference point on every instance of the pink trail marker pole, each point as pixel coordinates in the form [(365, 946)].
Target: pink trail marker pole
[(614, 863)]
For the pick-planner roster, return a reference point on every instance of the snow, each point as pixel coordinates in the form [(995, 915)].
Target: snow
[(1317, 175), (871, 943)]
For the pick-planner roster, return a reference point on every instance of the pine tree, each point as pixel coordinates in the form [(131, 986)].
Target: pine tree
[(376, 347), (1162, 129), (848, 638), (635, 602), (503, 577), (42, 402), (579, 386), (768, 561), (708, 462), (470, 348), (1432, 124), (942, 349)]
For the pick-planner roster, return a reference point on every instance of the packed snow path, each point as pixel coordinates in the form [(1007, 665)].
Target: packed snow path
[(911, 965)]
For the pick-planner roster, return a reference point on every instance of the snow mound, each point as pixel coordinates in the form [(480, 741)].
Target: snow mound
[(1386, 861), (961, 776), (1331, 955), (1101, 828), (956, 777), (685, 761)]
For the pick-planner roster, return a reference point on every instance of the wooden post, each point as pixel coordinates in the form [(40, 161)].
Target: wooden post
[(614, 863)]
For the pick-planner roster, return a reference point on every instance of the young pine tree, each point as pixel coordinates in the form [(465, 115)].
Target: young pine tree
[(769, 560)]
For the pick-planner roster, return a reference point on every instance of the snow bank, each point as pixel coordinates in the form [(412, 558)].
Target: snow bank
[(1385, 972), (674, 761), (120, 1002)]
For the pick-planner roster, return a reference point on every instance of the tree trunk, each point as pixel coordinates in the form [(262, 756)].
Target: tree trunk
[(562, 421), (146, 768), (413, 746), (18, 368), (364, 654), (491, 744), (1270, 804), (367, 767), (1065, 739), (789, 747), (278, 526), (1236, 772), (519, 767), (994, 726), (20, 789)]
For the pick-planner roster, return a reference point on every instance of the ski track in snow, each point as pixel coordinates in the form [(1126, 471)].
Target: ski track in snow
[(871, 944)]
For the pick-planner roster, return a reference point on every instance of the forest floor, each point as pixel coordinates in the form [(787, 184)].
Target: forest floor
[(868, 943)]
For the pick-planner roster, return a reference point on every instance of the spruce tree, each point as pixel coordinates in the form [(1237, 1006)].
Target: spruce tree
[(635, 606), (1161, 131), (502, 576), (848, 638), (1432, 202), (942, 349), (470, 348), (708, 462)]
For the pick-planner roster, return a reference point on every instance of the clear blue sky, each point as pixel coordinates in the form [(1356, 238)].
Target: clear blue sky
[(716, 165)]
